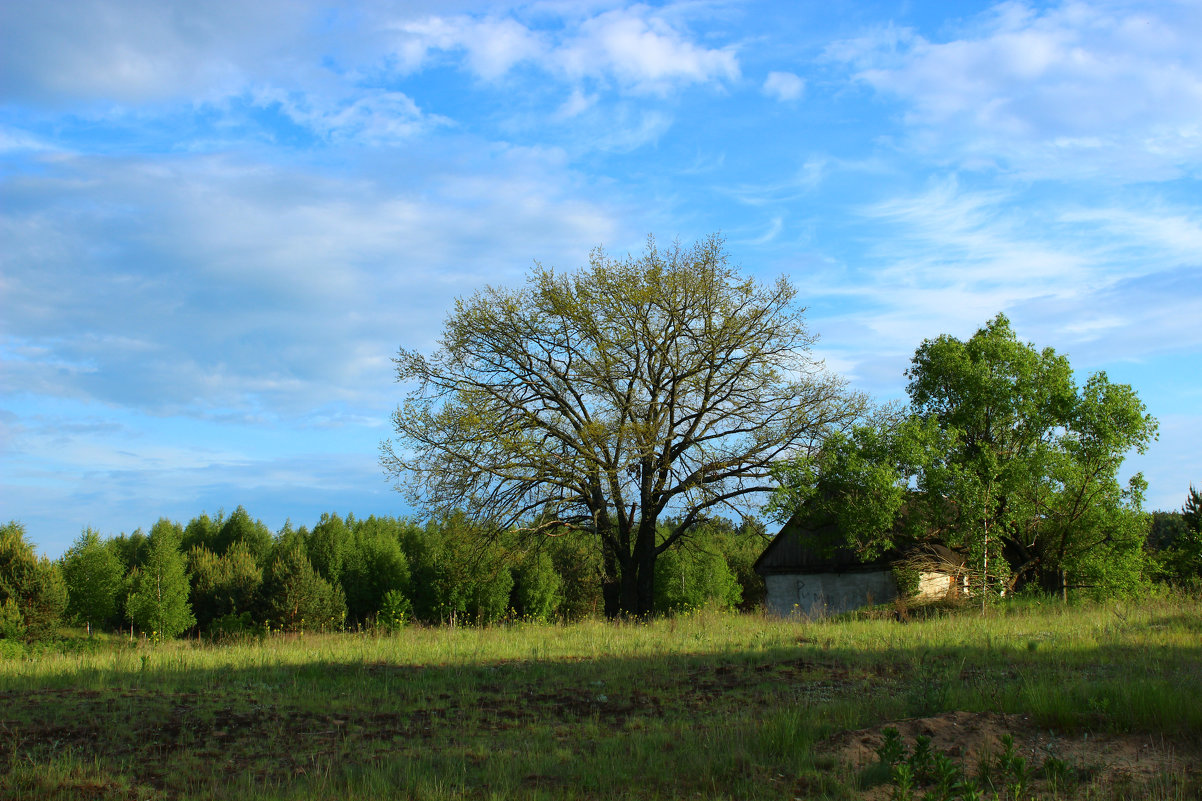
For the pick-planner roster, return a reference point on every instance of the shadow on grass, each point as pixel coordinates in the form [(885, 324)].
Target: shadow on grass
[(730, 723)]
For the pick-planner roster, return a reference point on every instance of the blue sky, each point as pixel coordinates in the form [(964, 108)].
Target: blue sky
[(219, 220)]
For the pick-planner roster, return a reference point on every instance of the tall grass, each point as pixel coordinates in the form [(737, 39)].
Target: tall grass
[(705, 705)]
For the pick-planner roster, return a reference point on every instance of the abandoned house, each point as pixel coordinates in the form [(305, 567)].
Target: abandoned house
[(801, 578)]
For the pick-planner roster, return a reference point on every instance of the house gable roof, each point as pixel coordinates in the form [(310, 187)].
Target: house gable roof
[(798, 548)]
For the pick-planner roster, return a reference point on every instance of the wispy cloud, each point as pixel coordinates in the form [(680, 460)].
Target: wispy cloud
[(218, 220), (366, 117), (194, 283), (138, 51), (1080, 89)]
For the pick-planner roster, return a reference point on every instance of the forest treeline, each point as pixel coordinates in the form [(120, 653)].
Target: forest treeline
[(230, 575)]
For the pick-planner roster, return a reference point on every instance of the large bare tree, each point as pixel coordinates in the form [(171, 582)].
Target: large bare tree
[(597, 403)]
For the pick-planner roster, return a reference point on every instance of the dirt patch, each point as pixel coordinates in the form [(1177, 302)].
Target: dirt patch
[(1099, 762)]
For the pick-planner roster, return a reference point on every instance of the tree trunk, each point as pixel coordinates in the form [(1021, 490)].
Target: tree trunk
[(646, 583), (629, 602), (638, 574), (611, 580)]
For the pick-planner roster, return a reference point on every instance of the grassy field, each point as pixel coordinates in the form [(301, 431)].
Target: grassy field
[(1032, 700)]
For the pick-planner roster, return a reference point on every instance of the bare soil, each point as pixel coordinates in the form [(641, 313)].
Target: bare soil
[(1126, 765)]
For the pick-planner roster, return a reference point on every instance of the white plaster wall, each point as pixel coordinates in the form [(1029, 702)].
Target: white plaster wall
[(934, 585), (817, 594)]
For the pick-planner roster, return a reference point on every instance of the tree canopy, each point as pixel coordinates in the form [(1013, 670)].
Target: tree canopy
[(158, 598), (1001, 454), (594, 402)]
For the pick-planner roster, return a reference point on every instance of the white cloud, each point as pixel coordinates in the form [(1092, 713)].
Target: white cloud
[(644, 52), (13, 140), (492, 46), (946, 236), (259, 289), (784, 86), (1081, 89), (637, 48)]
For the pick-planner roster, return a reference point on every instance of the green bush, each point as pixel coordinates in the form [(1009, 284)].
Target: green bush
[(537, 588), (297, 598), (32, 591), (94, 577), (687, 580), (394, 611)]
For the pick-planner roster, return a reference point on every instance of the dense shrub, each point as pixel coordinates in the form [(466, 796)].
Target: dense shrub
[(1179, 540), (95, 579), (537, 588), (373, 566), (578, 565), (456, 573), (224, 585), (298, 598), (33, 595), (688, 579)]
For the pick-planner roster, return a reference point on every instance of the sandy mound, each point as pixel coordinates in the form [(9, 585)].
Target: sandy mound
[(1124, 763)]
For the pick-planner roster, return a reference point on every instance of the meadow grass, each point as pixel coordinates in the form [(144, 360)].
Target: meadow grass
[(703, 706)]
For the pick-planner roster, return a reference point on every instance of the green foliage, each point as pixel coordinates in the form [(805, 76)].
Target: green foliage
[(12, 620), (394, 610), (32, 591), (447, 570), (202, 532), (1167, 529), (941, 778), (373, 566), (1002, 456), (456, 575), (908, 580), (235, 628), (327, 546), (859, 481), (578, 565), (1177, 540), (94, 577), (158, 599), (223, 585), (688, 579), (241, 528), (1036, 459), (892, 748), (297, 597), (132, 550), (537, 588), (740, 546), (1191, 511)]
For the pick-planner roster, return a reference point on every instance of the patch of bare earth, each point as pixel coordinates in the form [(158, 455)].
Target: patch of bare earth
[(1102, 761)]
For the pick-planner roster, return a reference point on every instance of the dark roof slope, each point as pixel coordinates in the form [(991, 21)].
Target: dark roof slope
[(800, 549)]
